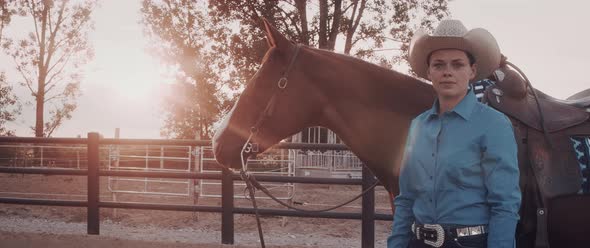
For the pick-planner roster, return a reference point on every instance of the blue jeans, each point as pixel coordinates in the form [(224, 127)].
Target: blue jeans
[(476, 241)]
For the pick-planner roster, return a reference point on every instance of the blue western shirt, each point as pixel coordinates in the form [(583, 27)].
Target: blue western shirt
[(459, 168)]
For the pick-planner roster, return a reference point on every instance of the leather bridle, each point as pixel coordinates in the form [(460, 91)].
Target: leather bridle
[(252, 148)]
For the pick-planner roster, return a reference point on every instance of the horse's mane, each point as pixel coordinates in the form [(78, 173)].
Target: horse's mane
[(390, 86), (373, 69)]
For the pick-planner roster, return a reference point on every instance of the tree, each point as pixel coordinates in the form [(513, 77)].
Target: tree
[(232, 43), (194, 102), (6, 12), (362, 27), (9, 107), (49, 58)]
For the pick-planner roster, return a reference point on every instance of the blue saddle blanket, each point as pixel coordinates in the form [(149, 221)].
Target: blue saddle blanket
[(582, 149)]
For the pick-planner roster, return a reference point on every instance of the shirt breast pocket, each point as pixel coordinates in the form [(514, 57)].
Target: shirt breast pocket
[(417, 177), (463, 169)]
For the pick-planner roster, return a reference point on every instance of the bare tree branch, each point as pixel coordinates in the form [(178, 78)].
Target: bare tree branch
[(32, 6), (63, 59), (28, 82), (53, 33)]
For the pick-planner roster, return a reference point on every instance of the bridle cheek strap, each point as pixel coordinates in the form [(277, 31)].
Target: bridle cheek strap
[(252, 148)]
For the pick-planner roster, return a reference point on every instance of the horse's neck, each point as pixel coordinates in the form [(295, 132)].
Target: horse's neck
[(370, 109), (373, 134)]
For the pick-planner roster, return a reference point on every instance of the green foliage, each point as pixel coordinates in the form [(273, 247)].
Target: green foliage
[(9, 107), (48, 59), (182, 43), (219, 45), (6, 11)]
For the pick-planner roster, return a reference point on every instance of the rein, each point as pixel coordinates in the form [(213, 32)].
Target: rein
[(250, 148), (530, 86), (542, 233)]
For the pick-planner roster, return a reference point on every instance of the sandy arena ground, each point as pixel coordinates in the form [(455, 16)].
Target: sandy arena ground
[(65, 227)]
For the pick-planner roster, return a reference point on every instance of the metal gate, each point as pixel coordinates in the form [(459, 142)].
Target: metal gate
[(324, 163), (154, 158), (274, 162)]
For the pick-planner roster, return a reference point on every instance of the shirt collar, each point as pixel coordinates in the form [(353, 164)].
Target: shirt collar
[(463, 108)]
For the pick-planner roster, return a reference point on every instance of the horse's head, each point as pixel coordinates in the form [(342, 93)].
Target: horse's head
[(276, 103)]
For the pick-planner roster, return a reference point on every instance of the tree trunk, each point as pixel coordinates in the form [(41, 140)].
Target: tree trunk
[(354, 23), (40, 97), (302, 9), (39, 114), (323, 30), (335, 24)]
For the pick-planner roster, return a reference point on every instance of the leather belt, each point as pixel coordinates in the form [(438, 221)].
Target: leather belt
[(435, 234), (470, 231)]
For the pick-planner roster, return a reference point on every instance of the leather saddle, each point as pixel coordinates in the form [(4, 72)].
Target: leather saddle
[(511, 96), (556, 167), (547, 161)]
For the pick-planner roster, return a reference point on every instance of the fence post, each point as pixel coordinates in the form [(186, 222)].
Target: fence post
[(368, 210), (93, 184), (227, 207)]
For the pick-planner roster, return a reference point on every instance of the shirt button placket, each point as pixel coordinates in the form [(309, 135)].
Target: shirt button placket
[(441, 122)]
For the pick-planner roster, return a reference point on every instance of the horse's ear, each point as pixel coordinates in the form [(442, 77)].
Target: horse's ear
[(274, 37)]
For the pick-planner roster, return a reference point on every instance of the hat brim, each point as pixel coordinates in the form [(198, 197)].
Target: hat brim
[(479, 42)]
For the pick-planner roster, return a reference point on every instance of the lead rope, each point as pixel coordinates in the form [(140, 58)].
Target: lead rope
[(252, 184), (541, 239), (256, 184), (245, 176)]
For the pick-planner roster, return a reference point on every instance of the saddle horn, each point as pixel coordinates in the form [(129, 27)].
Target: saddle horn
[(523, 92)]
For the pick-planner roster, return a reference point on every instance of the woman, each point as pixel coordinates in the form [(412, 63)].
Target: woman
[(459, 178)]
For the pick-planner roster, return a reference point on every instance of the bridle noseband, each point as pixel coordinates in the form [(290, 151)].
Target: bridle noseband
[(252, 148)]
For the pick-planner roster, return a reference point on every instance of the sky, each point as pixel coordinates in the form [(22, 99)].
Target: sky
[(123, 83)]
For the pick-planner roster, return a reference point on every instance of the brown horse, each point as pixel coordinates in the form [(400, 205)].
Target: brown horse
[(367, 106), (370, 109)]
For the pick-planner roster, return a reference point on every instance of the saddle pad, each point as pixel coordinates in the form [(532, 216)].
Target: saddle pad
[(480, 87), (556, 167), (582, 149)]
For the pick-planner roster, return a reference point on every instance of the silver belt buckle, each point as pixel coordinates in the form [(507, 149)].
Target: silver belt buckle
[(440, 235)]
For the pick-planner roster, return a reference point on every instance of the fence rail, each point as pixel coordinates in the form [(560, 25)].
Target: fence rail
[(227, 209)]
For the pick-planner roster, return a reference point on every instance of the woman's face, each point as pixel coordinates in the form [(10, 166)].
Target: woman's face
[(450, 73)]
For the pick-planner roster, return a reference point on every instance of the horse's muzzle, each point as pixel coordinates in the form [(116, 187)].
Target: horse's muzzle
[(227, 152)]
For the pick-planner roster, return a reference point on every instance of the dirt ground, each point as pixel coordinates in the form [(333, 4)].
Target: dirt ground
[(50, 226)]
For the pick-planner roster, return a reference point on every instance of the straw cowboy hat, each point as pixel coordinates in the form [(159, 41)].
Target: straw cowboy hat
[(452, 34)]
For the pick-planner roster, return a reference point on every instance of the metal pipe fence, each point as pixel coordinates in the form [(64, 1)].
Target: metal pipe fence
[(227, 178)]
